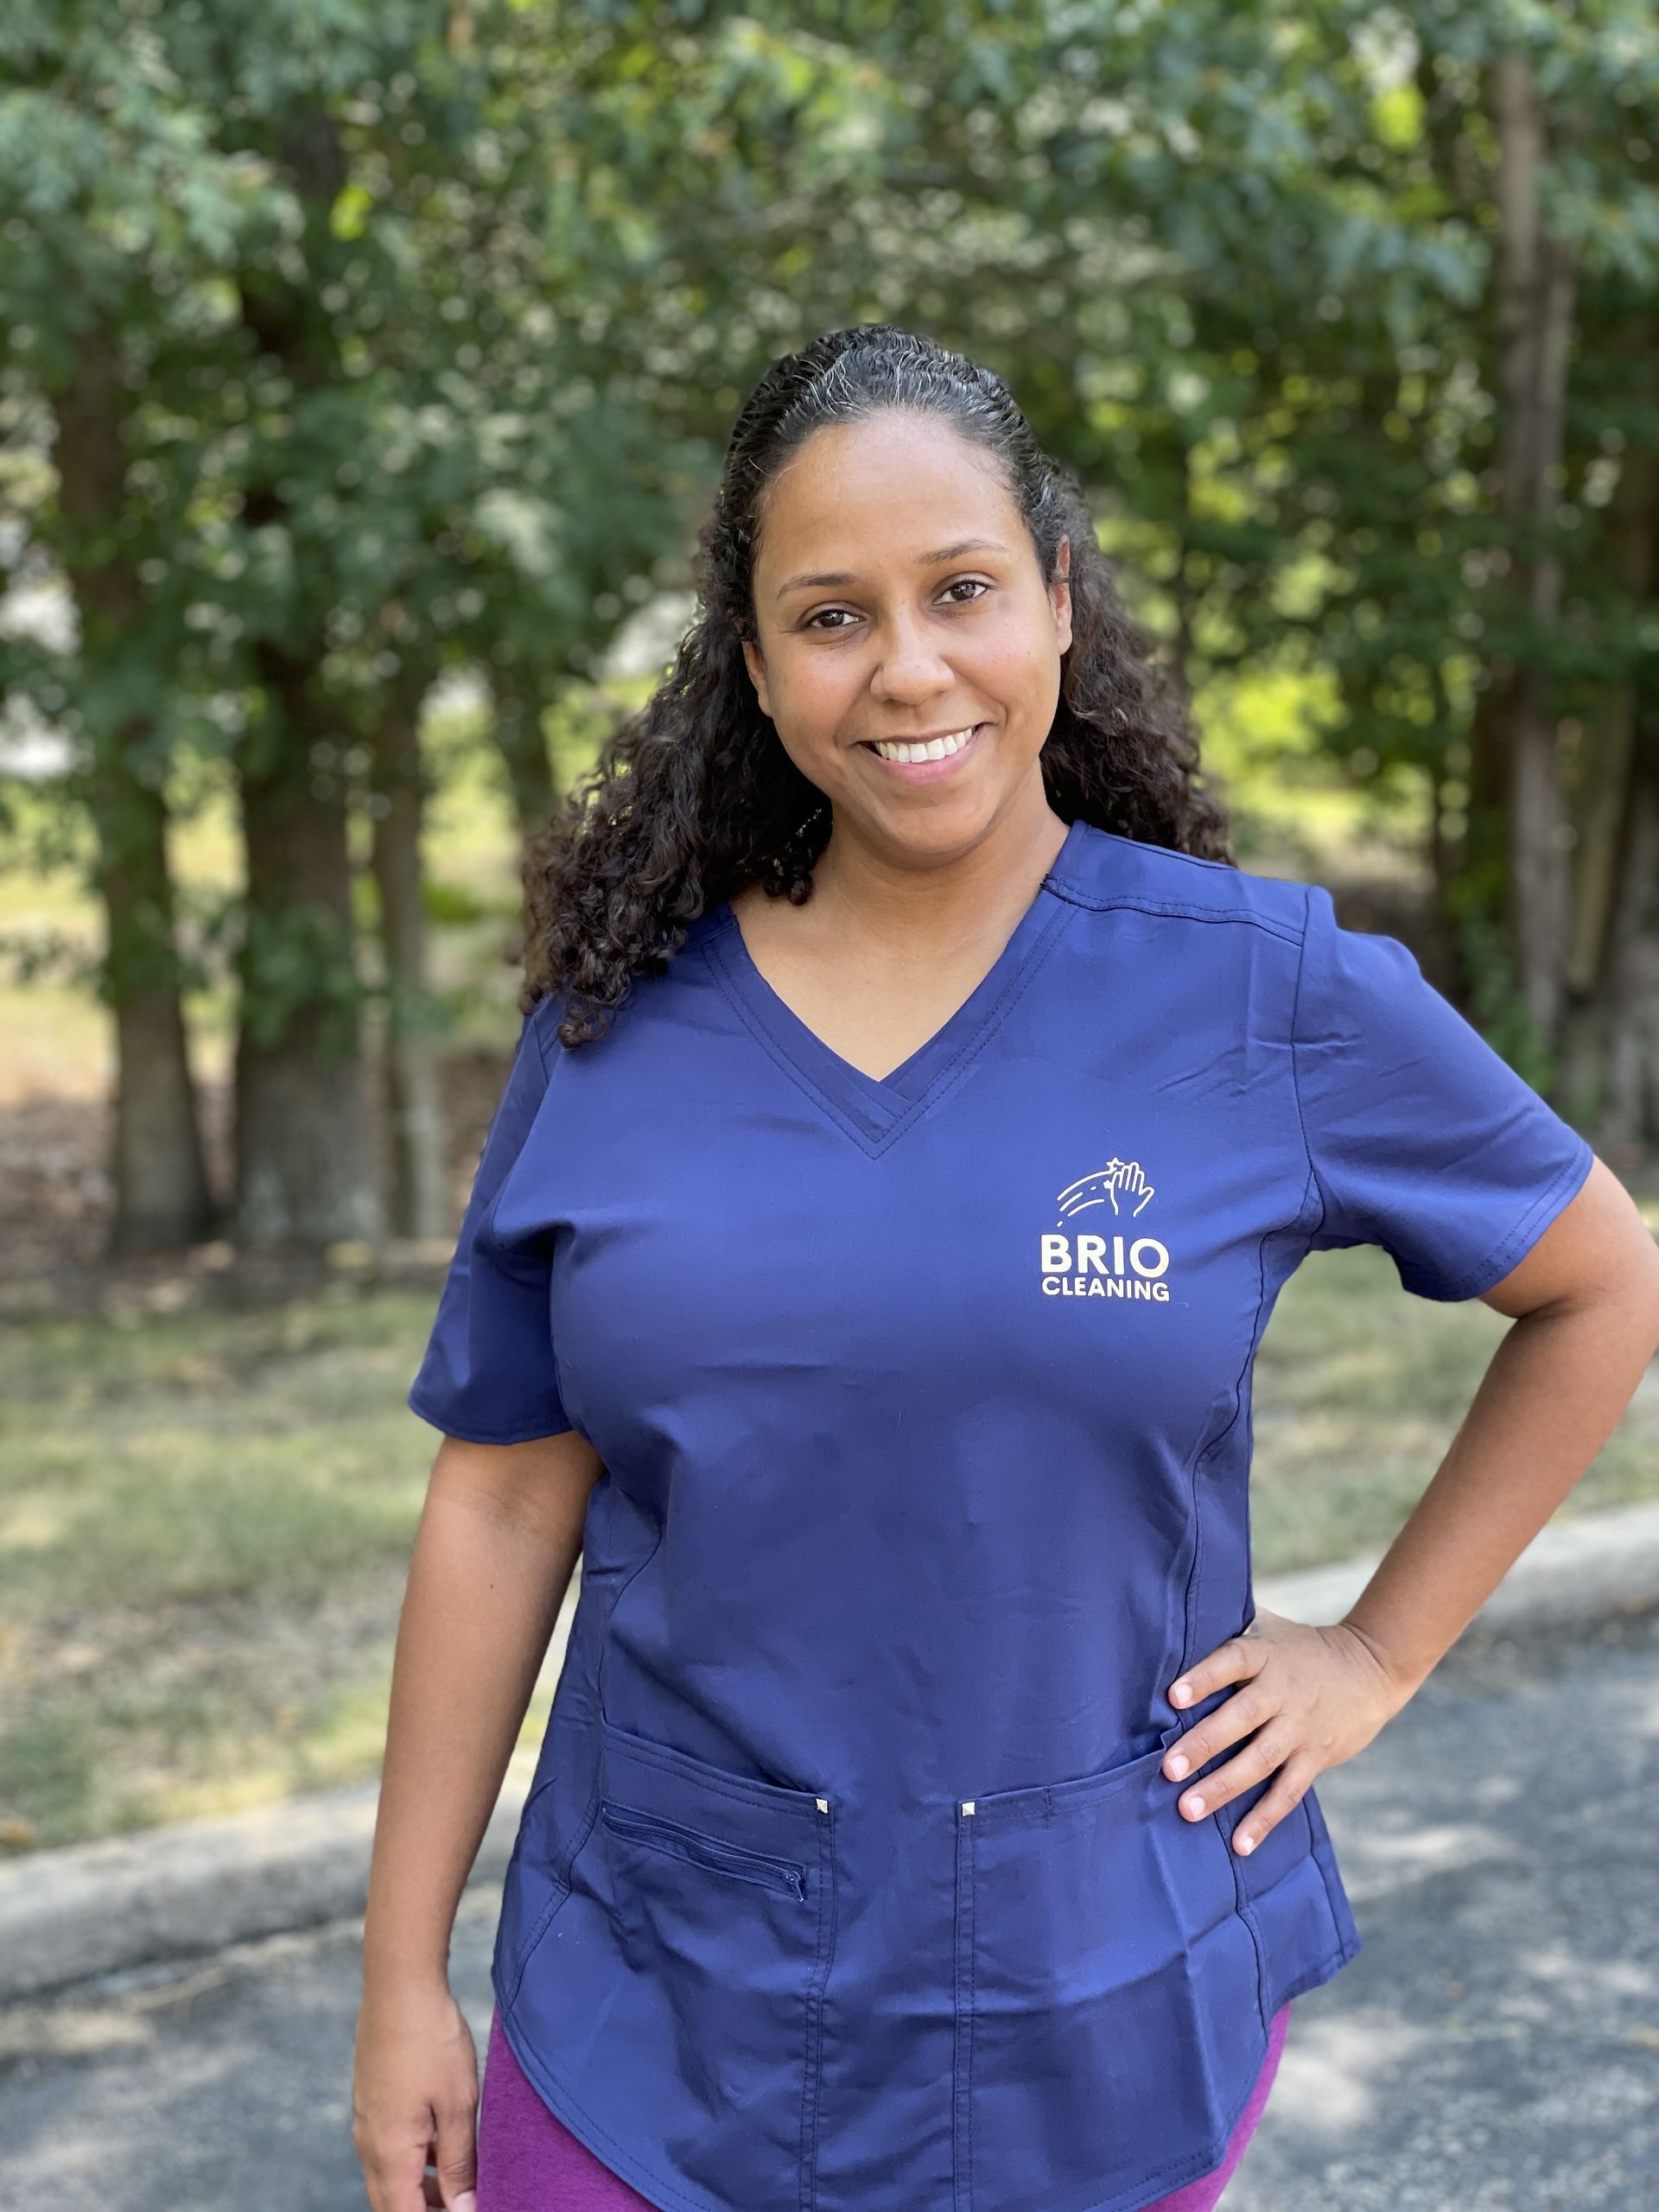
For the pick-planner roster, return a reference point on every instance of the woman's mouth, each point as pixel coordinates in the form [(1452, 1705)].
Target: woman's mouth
[(922, 761)]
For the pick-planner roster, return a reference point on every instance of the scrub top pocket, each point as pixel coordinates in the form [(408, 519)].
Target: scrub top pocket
[(700, 1923), (1106, 1992)]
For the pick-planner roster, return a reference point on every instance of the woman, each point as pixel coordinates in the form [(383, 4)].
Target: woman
[(914, 1117)]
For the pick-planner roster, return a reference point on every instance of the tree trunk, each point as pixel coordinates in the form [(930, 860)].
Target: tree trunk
[(1607, 799), (304, 1171), (1535, 314), (1613, 1060), (1627, 1002), (162, 1200), (304, 1162), (419, 1192), (523, 747)]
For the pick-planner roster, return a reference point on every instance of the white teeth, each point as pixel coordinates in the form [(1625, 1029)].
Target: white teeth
[(936, 748)]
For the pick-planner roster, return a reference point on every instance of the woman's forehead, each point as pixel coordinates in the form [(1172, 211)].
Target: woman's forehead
[(889, 491)]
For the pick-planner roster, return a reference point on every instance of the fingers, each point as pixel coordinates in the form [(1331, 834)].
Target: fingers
[(410, 2180), (1273, 1752), (1287, 1792), (455, 2156), (1239, 1660), (1230, 1722), (394, 2181)]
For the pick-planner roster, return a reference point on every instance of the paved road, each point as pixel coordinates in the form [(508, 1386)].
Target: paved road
[(1495, 2047)]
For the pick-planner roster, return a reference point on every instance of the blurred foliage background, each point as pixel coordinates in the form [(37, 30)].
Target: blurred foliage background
[(365, 372)]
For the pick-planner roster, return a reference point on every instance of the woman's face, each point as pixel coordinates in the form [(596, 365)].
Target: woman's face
[(898, 598)]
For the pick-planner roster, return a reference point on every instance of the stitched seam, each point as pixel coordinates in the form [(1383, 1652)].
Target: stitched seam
[(1141, 902), (780, 1875), (968, 1957), (1295, 1082), (418, 1403), (1194, 1577), (1017, 985), (1015, 988), (1166, 852), (781, 1060), (617, 1597), (661, 1822), (1227, 1828), (595, 1793), (558, 1378), (1319, 1841), (486, 1228), (811, 2077), (960, 1061), (536, 1032), (704, 1777), (960, 2027), (1214, 1442), (591, 1813), (1318, 1860)]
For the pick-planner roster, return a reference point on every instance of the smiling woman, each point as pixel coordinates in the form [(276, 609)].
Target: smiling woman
[(911, 671), (865, 1271)]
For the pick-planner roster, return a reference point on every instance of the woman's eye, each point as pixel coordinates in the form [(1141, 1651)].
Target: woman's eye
[(817, 621)]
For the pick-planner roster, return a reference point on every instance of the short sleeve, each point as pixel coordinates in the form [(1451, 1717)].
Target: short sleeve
[(488, 1376), (1421, 1138)]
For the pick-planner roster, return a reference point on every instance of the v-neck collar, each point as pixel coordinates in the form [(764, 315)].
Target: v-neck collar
[(877, 1109)]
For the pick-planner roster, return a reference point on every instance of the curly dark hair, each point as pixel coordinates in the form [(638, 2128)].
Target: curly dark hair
[(693, 797)]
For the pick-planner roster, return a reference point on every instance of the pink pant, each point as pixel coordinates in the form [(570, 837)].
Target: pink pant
[(528, 2161)]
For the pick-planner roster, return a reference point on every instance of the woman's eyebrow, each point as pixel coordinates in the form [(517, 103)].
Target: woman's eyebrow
[(923, 561)]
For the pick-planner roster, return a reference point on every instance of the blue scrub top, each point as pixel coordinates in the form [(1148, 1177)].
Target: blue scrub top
[(848, 1880)]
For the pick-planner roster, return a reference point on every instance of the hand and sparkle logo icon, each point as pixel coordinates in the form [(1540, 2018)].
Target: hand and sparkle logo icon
[(1117, 1178), (1099, 1262)]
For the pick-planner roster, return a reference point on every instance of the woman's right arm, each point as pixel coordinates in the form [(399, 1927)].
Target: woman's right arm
[(499, 1538)]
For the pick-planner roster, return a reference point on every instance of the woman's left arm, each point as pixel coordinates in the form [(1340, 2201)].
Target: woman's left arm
[(1584, 1303)]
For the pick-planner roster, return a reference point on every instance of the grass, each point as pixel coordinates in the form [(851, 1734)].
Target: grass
[(204, 1525), (1359, 1389)]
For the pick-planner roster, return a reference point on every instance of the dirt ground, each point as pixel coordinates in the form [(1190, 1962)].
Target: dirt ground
[(57, 1201)]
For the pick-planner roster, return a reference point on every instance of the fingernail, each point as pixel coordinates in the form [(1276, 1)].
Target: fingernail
[(1180, 1694), (1195, 1805), (468, 2202), (1178, 1767), (1246, 1843)]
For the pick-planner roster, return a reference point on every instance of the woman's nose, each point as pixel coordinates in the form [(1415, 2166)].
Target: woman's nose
[(909, 664)]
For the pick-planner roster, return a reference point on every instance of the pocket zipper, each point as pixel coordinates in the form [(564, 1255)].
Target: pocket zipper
[(701, 1850)]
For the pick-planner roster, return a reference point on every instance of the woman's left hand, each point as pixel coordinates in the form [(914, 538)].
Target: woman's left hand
[(1312, 1697)]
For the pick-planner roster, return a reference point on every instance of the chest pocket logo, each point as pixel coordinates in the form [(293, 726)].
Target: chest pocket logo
[(1096, 1262)]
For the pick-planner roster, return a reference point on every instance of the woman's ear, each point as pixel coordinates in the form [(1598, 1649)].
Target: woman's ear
[(1059, 594), (757, 668)]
